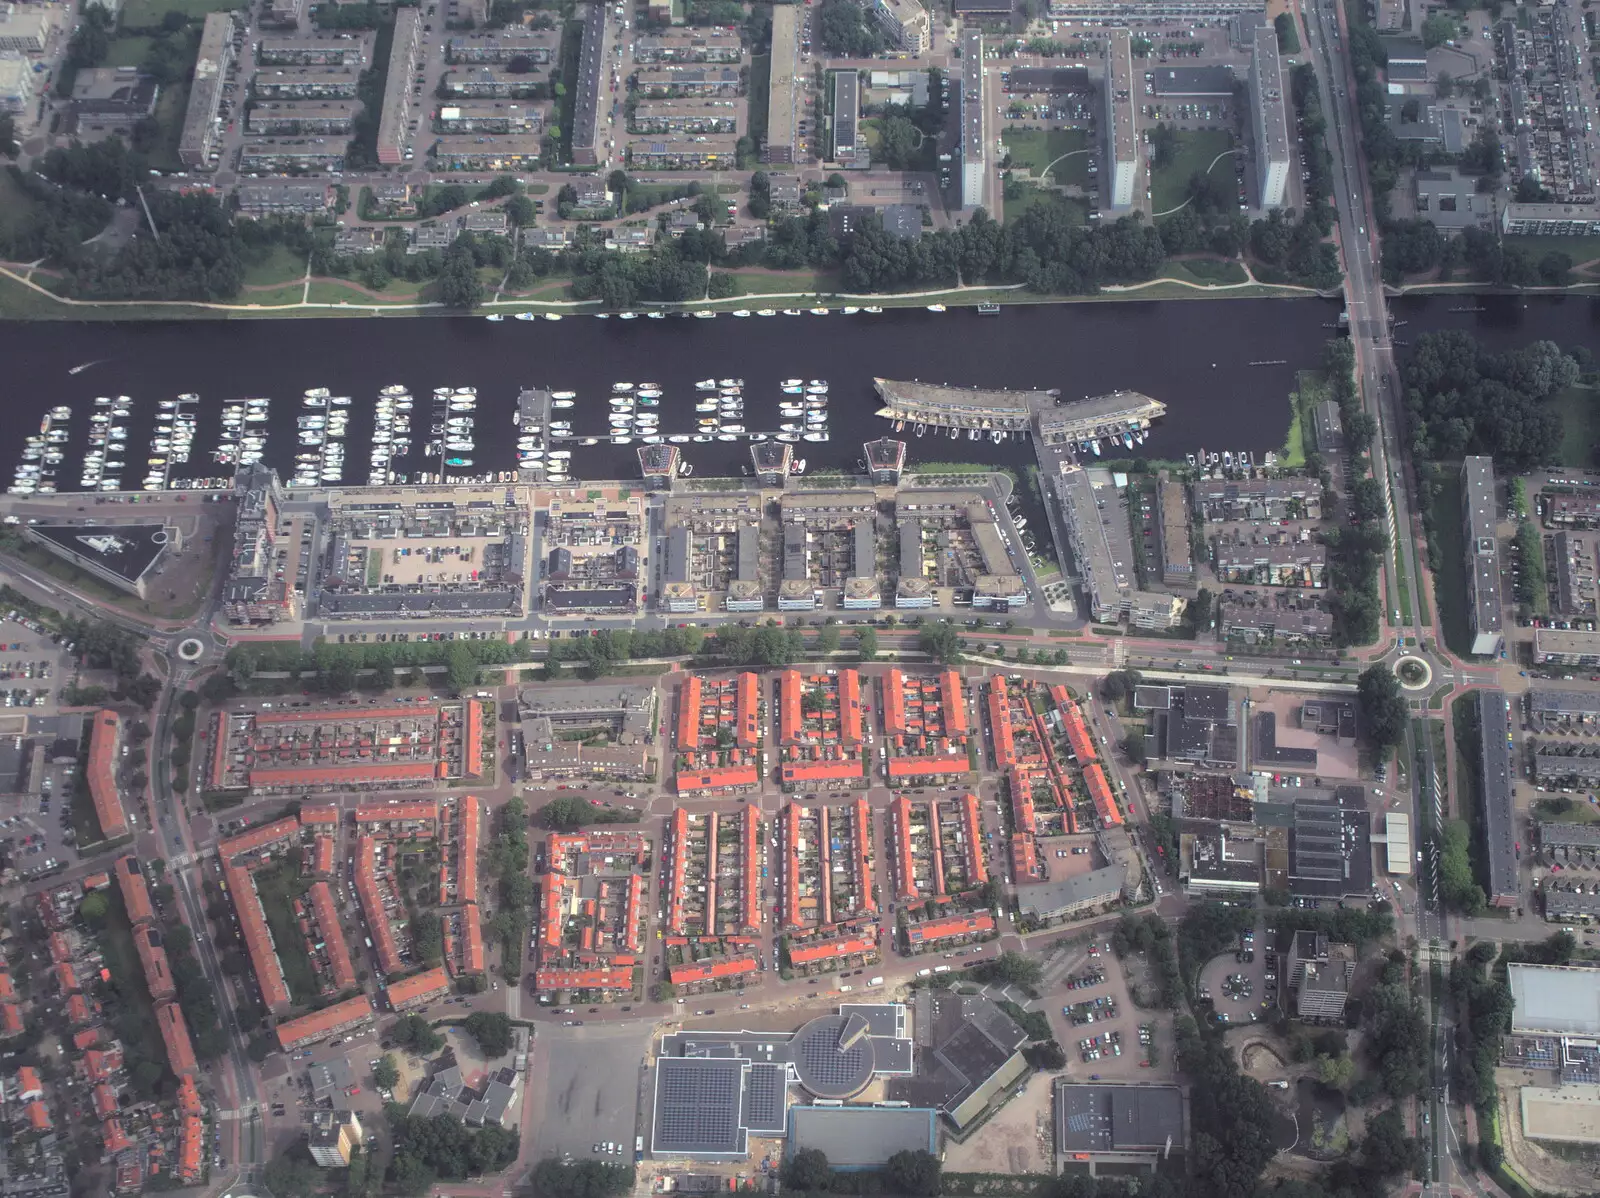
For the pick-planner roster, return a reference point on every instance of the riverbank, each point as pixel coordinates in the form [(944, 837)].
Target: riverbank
[(23, 299)]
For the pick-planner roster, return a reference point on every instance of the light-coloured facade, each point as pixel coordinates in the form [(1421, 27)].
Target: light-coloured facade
[(1270, 102)]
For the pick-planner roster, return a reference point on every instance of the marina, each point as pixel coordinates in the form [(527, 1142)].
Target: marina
[(1118, 420)]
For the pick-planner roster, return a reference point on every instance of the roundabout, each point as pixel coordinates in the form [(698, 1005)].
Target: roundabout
[(1414, 673), (190, 649)]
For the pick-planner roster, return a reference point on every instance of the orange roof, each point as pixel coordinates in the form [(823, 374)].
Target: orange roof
[(65, 978), (750, 880), (153, 957), (322, 855), (135, 892), (894, 703), (175, 1031), (60, 950), (319, 813), (344, 974), (951, 925), (1022, 815), (78, 1010), (788, 707), (972, 825), (97, 881), (861, 844), (472, 740), (633, 913), (554, 911), (320, 1023), (87, 1038), (433, 981), (382, 813), (1077, 732), (28, 1080), (1005, 749), (900, 838), (257, 939), (472, 925), (603, 978), (188, 1096), (705, 971), (191, 1140), (371, 897), (819, 771), (7, 990), (258, 838), (918, 767), (105, 1102), (827, 950), (791, 864), (937, 847), (1105, 803), (952, 705), (1024, 857), (689, 714), (39, 1116), (11, 1017), (115, 1139), (746, 712), (718, 778), (678, 836), (102, 774), (355, 771), (467, 850), (850, 707)]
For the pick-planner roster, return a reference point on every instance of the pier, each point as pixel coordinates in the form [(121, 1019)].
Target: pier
[(1001, 412), (533, 420)]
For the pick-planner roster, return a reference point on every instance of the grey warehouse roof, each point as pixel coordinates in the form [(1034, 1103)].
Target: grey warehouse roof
[(861, 1137), (1091, 1118), (1554, 1000)]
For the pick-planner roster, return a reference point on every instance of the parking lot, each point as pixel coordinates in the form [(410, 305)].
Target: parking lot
[(1237, 984), (590, 1091), (1091, 1002)]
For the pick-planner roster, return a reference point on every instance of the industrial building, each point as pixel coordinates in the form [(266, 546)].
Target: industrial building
[(198, 139), (1483, 554), (968, 1056), (122, 555), (1270, 104), (1496, 769), (1122, 134), (1122, 1126)]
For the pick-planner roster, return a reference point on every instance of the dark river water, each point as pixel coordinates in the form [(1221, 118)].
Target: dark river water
[(1193, 355)]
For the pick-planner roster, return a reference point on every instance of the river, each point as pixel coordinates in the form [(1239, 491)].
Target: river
[(1193, 355)]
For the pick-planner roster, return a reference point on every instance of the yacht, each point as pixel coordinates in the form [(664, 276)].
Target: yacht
[(706, 385), (552, 316), (819, 311), (563, 399), (497, 317), (936, 307), (726, 383), (622, 388), (766, 311)]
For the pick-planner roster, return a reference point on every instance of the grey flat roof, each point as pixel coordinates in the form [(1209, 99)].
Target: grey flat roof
[(586, 106), (1575, 835), (1272, 96), (862, 1137), (1545, 701), (1193, 81), (1042, 899), (781, 91), (394, 129), (1495, 769), (1096, 1118), (1483, 554), (205, 93), (1120, 97), (846, 107), (1559, 1000)]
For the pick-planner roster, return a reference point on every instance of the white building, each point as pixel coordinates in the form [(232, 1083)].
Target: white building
[(1271, 103), (1121, 130), (974, 148), (25, 30)]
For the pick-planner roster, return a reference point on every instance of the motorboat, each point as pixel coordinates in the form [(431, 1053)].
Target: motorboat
[(622, 388), (819, 311), (706, 385), (936, 307), (552, 316), (816, 436), (766, 311), (495, 317), (726, 383)]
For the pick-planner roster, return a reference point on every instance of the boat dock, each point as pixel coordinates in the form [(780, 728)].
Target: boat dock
[(1119, 415), (533, 421)]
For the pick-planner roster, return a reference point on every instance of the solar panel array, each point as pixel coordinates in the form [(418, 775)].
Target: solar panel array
[(697, 1106), (825, 1067), (763, 1098)]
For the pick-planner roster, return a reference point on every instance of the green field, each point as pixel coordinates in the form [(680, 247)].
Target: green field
[(1579, 249), (147, 14), (169, 114), (129, 51), (1208, 272), (1032, 197), (1197, 150), (14, 205), (1579, 409), (1034, 149), (277, 265), (760, 75)]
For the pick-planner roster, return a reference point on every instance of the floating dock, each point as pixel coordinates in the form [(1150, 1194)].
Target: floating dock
[(1043, 413)]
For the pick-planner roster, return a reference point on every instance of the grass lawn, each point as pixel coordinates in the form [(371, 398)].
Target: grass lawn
[(1579, 409), (142, 14), (278, 265), (1197, 149), (1036, 196), (1450, 593), (169, 113), (808, 282), (134, 1015), (333, 291), (1207, 272), (279, 888), (760, 77), (1035, 149), (275, 297), (129, 51), (1579, 249), (14, 205)]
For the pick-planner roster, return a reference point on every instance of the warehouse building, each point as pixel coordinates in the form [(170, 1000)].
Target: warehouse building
[(1117, 1127)]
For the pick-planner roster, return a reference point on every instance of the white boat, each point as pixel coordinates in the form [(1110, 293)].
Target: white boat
[(725, 383), (816, 436), (702, 438), (787, 383), (792, 312), (656, 315), (679, 438), (618, 440), (766, 311), (552, 316), (849, 311), (706, 385), (733, 428), (622, 388), (936, 307), (703, 315), (790, 428), (726, 437), (526, 316), (741, 312), (563, 399), (560, 455), (819, 311), (627, 316), (496, 317)]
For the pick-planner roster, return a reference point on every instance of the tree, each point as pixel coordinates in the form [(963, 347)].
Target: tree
[(828, 638), (1383, 709), (915, 1172), (1133, 746), (807, 1169), (940, 641), (292, 1175), (492, 1031), (867, 643), (412, 1032), (1336, 1072), (520, 210), (461, 665), (1163, 146), (1437, 29), (94, 907), (1014, 969), (581, 1179), (427, 937), (386, 1073), (1288, 35), (898, 143)]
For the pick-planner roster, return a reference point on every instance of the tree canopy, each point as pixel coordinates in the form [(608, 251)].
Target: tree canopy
[(1382, 706)]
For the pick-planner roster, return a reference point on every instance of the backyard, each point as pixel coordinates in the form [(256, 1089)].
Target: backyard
[(280, 888), (1579, 409), (1196, 153), (147, 14)]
